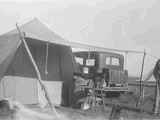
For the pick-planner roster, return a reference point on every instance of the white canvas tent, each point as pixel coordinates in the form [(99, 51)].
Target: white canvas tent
[(17, 74)]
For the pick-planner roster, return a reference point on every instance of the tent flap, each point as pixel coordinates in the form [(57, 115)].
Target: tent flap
[(8, 47)]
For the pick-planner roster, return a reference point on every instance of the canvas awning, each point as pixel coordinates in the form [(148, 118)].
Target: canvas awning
[(37, 30)]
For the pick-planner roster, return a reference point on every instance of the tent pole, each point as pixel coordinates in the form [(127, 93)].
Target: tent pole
[(36, 69), (126, 55), (46, 63), (141, 76)]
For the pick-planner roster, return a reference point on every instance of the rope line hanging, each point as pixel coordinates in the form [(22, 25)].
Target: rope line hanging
[(46, 59)]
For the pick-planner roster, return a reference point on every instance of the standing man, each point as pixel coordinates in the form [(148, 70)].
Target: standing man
[(156, 74)]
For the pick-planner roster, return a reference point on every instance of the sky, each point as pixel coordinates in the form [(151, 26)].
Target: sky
[(121, 24)]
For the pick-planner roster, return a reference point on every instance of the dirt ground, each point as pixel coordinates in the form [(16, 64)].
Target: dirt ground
[(100, 113), (104, 112), (76, 114)]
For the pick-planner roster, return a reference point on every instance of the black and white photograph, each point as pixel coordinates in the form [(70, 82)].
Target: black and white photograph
[(79, 60)]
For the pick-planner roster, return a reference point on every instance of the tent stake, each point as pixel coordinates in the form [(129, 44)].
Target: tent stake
[(36, 69)]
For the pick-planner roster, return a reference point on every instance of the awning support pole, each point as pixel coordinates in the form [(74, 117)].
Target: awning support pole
[(36, 69), (126, 55), (141, 77)]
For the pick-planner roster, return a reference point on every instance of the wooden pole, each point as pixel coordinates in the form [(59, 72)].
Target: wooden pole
[(126, 55), (46, 62), (36, 69), (141, 76)]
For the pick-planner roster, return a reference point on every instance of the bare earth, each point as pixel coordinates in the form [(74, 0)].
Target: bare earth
[(97, 114)]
